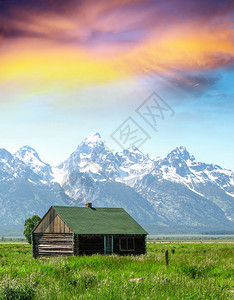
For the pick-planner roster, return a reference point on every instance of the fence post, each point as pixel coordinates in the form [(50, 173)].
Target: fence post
[(166, 257)]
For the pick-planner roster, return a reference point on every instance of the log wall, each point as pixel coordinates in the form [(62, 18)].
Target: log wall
[(89, 244), (76, 244), (52, 223), (59, 244), (93, 244)]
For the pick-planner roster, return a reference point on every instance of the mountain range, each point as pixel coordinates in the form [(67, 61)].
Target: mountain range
[(172, 194)]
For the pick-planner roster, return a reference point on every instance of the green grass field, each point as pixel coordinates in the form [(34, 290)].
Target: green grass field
[(195, 271)]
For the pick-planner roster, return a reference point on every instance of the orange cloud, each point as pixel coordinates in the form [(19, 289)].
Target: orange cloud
[(188, 48), (109, 41), (48, 64)]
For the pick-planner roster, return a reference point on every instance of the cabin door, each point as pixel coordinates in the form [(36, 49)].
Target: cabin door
[(108, 244)]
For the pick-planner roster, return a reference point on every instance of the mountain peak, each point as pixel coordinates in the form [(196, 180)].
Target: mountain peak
[(180, 152), (131, 155), (27, 148), (93, 138), (26, 152), (181, 148), (133, 149), (4, 154), (92, 141), (32, 160), (30, 157)]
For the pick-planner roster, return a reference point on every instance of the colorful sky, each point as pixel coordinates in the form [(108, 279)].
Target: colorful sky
[(70, 68)]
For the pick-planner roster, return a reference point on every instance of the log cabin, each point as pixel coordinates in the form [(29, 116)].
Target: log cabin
[(69, 230)]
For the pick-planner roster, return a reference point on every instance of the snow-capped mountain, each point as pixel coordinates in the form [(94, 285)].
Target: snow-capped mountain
[(31, 158), (13, 168), (172, 192), (180, 167), (207, 180), (24, 192), (134, 165), (93, 158)]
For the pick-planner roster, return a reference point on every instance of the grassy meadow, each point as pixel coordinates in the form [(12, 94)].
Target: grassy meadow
[(195, 271)]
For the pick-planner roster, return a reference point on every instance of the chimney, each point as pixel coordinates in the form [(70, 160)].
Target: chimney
[(88, 204)]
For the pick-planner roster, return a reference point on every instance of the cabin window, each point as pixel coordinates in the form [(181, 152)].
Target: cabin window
[(130, 244), (123, 244), (126, 244)]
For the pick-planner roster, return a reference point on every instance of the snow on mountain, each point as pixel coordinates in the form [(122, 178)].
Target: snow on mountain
[(179, 166), (5, 156), (207, 180), (133, 164), (31, 159), (22, 188), (6, 164), (12, 167), (92, 159)]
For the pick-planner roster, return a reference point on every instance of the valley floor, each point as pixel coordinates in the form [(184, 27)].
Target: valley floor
[(195, 271)]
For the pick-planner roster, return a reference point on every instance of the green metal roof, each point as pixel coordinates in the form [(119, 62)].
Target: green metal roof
[(86, 220)]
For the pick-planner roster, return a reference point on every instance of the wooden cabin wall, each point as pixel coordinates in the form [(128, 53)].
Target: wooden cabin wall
[(89, 244), (139, 243), (92, 244), (48, 244), (52, 223), (64, 244), (76, 244)]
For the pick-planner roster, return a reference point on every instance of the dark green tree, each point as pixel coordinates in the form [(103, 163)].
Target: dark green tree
[(29, 225)]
